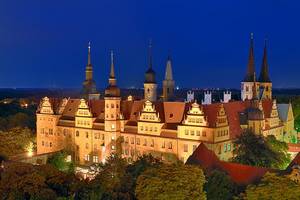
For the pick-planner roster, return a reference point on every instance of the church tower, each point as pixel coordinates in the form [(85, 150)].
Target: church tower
[(248, 83), (89, 90), (112, 107), (168, 83), (264, 78), (150, 85)]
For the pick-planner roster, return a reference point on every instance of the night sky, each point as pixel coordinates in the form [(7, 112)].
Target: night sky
[(44, 43)]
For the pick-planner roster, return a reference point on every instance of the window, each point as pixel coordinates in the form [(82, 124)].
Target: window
[(145, 142), (113, 147), (192, 132), (117, 105), (50, 144), (77, 133), (112, 105), (186, 132), (152, 143), (163, 145), (42, 130), (225, 147), (142, 128), (204, 133), (194, 147), (87, 145), (95, 159), (170, 145), (155, 129), (229, 147), (107, 106), (87, 135), (132, 140), (65, 132), (87, 157), (43, 143), (126, 140), (198, 133), (102, 136), (185, 148), (138, 141), (112, 126), (50, 131)]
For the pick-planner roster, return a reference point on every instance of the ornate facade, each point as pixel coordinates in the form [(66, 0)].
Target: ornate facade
[(94, 128)]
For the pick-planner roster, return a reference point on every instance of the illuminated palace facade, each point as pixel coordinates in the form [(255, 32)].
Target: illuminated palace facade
[(93, 127)]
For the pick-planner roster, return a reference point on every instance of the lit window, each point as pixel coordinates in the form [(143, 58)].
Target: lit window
[(95, 159), (225, 147), (87, 157), (112, 126), (113, 147)]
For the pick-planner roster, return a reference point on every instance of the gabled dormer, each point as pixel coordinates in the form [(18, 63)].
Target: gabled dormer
[(195, 116), (62, 105), (274, 112), (221, 117), (46, 107), (83, 116), (149, 114), (149, 121)]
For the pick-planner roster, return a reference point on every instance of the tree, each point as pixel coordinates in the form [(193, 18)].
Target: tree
[(15, 141), (171, 182), (253, 149), (114, 180), (273, 187), (59, 161), (219, 186), (281, 149), (26, 181)]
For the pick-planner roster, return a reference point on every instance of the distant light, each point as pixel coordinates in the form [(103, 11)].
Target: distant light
[(177, 88)]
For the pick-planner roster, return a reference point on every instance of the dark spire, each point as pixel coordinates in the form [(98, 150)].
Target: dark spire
[(150, 73), (112, 90), (264, 73), (169, 73), (250, 68), (112, 80), (89, 54), (150, 54), (112, 67)]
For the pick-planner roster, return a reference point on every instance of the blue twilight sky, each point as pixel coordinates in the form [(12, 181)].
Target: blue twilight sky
[(44, 43)]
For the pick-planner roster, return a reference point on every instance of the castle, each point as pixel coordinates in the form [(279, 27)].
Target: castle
[(92, 128)]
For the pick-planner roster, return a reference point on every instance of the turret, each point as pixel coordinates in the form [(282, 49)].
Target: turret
[(150, 85), (89, 90)]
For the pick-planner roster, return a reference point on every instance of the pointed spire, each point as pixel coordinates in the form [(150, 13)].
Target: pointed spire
[(89, 53), (169, 72), (250, 68), (264, 73), (150, 54), (254, 90), (112, 67)]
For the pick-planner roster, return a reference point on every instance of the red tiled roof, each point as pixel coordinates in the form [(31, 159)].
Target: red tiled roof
[(294, 147), (240, 174), (296, 161)]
